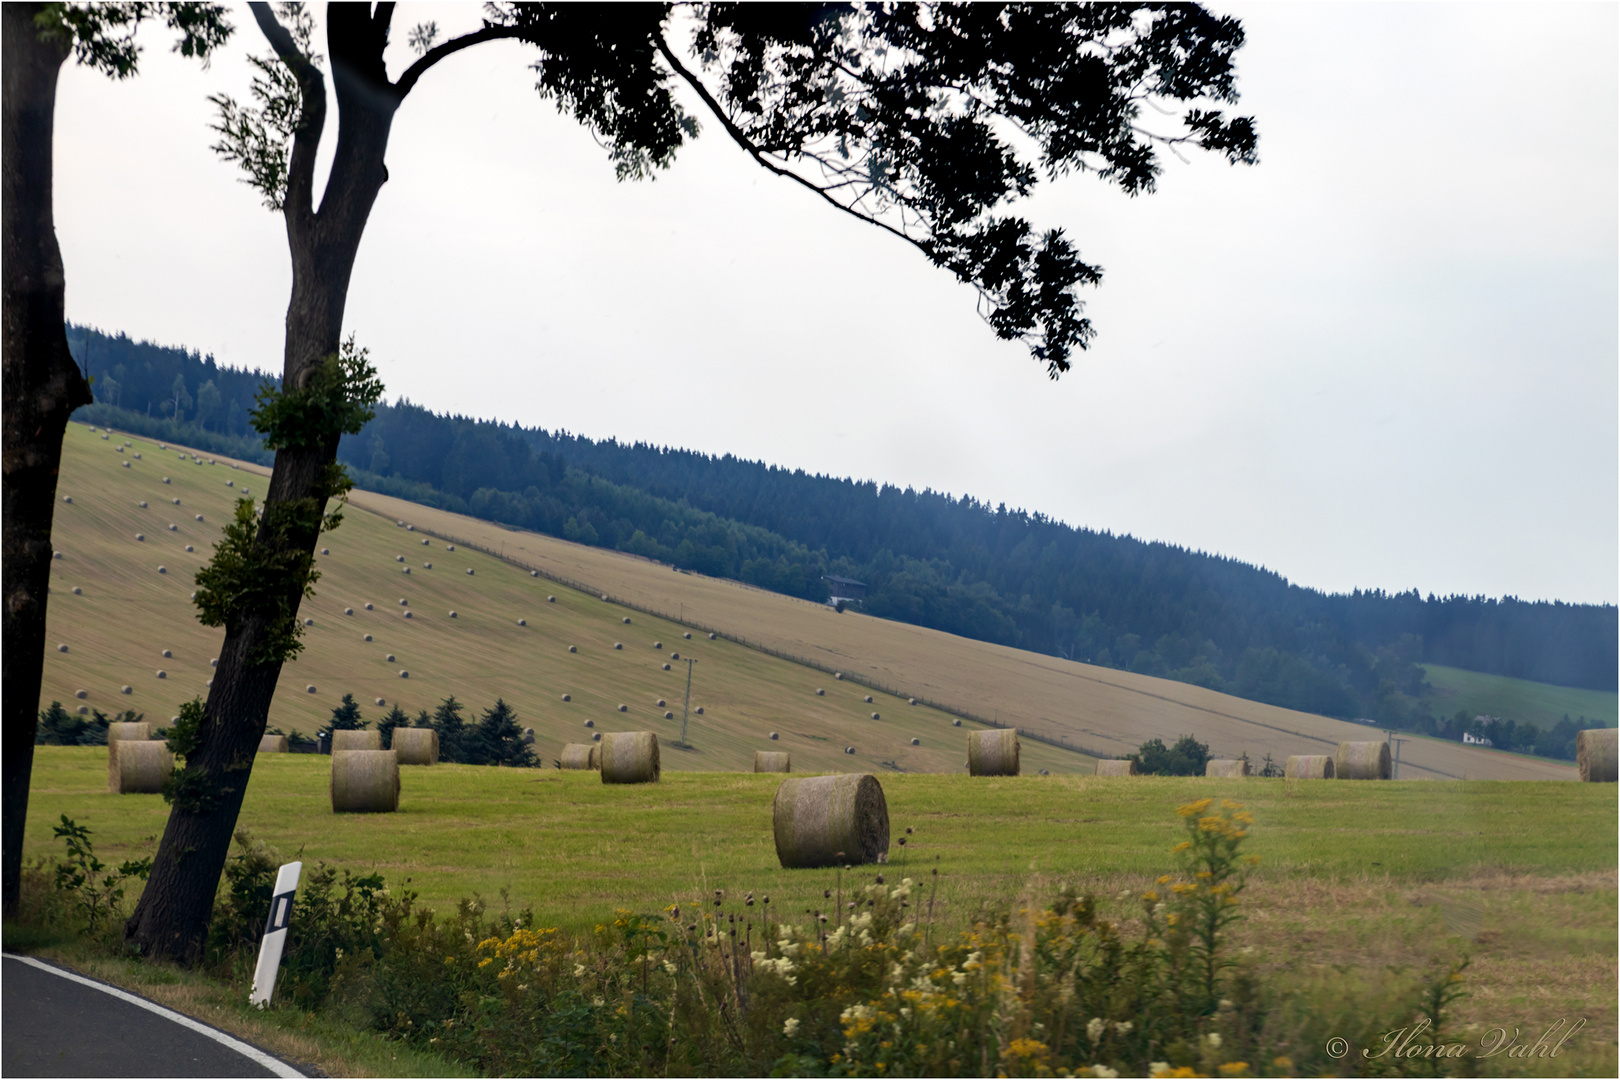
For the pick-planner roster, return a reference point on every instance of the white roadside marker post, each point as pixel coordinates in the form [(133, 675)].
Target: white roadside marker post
[(275, 935)]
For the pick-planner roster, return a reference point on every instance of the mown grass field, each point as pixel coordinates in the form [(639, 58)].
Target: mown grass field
[(1518, 699), (1355, 877), (127, 613)]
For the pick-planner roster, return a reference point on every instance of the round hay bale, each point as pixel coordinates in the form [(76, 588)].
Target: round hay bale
[(573, 648), (955, 722), (424, 542), (356, 740), (407, 614), (627, 620), (1228, 768), (389, 659), (916, 742), (993, 752), (61, 648), (597, 736), (618, 644), (830, 821), (326, 551), (163, 569), (568, 697), (1308, 767), (869, 699), (1362, 761), (773, 761), (449, 547), (406, 569), (1597, 755), (658, 644), (669, 715), (687, 635), (368, 607), (551, 599), (162, 674), (410, 528), (698, 710), (675, 656), (877, 716), (381, 701), (80, 694), (214, 662), (190, 548), (138, 767), (427, 566), (404, 674), (528, 736), (273, 744), (579, 756), (399, 558), (820, 692), (126, 464), (69, 499), (168, 654), (348, 611), (666, 667), (452, 614), (140, 536), (523, 622), (367, 637), (661, 703), (624, 708), (126, 689), (310, 689), (590, 723), (838, 674), (77, 591), (365, 782), (711, 637), (849, 749), (1116, 768), (404, 602), (118, 733), (416, 745), (911, 701), (309, 622), (629, 757), (469, 571), (774, 736)]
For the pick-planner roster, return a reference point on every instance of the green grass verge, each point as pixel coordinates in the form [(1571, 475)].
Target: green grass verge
[(1543, 704)]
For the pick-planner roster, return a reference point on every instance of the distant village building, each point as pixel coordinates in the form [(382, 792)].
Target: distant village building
[(1470, 739), (844, 590)]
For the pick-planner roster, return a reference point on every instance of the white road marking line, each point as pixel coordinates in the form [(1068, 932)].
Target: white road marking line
[(275, 1065)]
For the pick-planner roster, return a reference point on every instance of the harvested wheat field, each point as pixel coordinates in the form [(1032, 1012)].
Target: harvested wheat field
[(746, 693)]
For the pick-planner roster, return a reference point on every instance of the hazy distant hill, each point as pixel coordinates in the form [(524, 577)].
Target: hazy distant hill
[(1004, 576)]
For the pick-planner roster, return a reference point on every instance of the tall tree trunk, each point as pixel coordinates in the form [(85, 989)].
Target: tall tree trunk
[(172, 917), (41, 387)]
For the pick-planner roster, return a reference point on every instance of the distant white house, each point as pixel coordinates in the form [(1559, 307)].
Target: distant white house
[(1471, 740), (844, 590)]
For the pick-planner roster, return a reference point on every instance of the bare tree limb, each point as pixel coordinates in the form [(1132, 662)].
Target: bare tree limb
[(489, 33)]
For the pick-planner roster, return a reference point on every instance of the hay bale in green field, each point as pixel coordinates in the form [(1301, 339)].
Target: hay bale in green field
[(273, 744), (1362, 761), (830, 820), (1228, 768), (365, 781), (993, 752), (1597, 755), (1116, 768), (117, 733), (1308, 767), (356, 740), (416, 745), (579, 756), (773, 761), (629, 757), (138, 767)]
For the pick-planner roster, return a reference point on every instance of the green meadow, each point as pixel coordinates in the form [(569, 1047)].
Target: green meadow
[(1517, 699)]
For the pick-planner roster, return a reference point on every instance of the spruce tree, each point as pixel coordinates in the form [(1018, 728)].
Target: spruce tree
[(395, 718), (346, 717), (501, 740), (454, 743)]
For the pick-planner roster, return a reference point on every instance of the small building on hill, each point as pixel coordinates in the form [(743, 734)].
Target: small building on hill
[(844, 590)]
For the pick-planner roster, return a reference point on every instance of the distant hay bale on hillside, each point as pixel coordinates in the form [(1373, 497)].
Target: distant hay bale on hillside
[(273, 744), (1597, 755), (469, 571), (773, 761), (911, 701), (618, 644), (1308, 767), (687, 635), (669, 715), (310, 689), (348, 611), (551, 599), (523, 622), (712, 637), (1228, 768), (629, 757), (61, 648), (568, 697), (573, 648), (1362, 761), (661, 703), (356, 740), (416, 746), (367, 637), (666, 667), (579, 756), (955, 722), (820, 692), (849, 749), (774, 736), (365, 781), (309, 622), (160, 673), (698, 710), (830, 821), (916, 742), (138, 767), (877, 716), (1116, 768), (993, 753), (590, 723), (627, 620), (658, 644), (381, 701), (623, 707), (452, 614), (869, 699)]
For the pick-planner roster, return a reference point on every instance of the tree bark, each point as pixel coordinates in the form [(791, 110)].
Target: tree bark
[(172, 917), (41, 388)]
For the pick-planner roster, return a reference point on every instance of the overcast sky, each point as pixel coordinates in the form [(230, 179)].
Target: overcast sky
[(1385, 357)]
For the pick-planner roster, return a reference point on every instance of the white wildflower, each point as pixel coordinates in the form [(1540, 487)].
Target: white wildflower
[(1226, 1003), (597, 1002), (958, 977), (1103, 1070), (905, 930), (1214, 1040), (1123, 1026), (790, 1026), (579, 970), (669, 966), (756, 956), (1095, 1028)]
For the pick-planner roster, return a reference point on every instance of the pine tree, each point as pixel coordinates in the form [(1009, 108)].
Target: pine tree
[(454, 743), (500, 738), (396, 718), (346, 717)]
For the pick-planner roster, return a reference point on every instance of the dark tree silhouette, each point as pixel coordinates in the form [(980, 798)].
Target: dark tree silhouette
[(927, 122), (41, 384)]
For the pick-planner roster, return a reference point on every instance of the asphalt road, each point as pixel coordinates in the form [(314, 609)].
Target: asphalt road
[(54, 1026)]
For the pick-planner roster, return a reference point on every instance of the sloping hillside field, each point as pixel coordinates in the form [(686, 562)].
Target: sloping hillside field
[(128, 612)]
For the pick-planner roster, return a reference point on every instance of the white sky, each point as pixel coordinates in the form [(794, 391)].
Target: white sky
[(1384, 357)]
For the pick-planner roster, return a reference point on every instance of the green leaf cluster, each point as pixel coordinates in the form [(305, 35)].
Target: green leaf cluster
[(249, 573), (336, 399)]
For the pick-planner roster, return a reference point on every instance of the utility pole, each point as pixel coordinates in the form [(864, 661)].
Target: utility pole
[(1395, 766), (687, 706)]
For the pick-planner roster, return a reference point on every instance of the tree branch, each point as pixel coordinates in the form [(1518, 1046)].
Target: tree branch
[(299, 203), (489, 33), (754, 152)]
